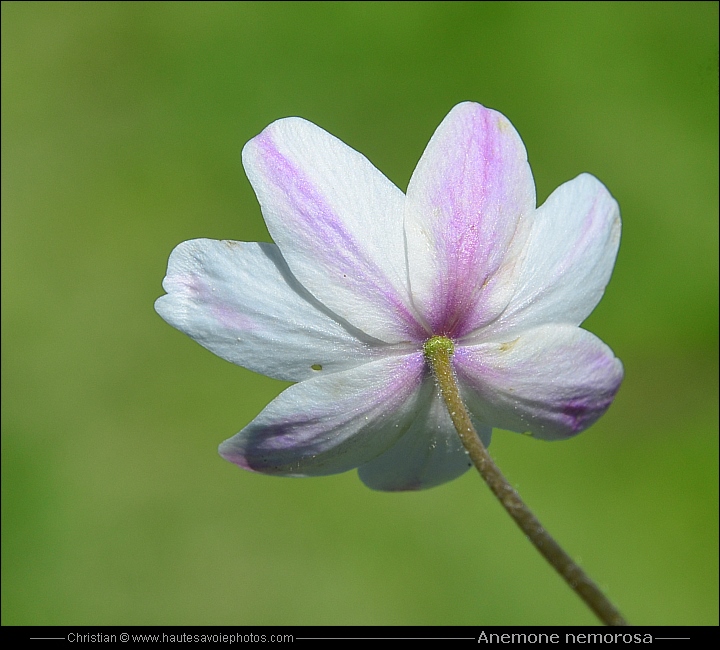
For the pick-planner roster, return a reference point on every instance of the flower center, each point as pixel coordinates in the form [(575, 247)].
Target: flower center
[(438, 345)]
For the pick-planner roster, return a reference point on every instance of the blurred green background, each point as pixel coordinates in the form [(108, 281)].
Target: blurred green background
[(122, 125)]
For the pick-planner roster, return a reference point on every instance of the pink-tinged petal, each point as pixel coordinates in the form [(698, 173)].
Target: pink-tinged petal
[(429, 454), (332, 423), (338, 223), (565, 255), (553, 381), (470, 188), (240, 301)]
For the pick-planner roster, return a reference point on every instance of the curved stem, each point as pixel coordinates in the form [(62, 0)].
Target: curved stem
[(438, 351)]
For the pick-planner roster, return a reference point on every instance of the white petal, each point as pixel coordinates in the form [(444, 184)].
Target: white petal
[(338, 223), (566, 252), (470, 188), (240, 301), (553, 381), (332, 423), (429, 454)]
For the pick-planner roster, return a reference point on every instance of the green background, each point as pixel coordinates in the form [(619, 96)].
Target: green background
[(122, 126)]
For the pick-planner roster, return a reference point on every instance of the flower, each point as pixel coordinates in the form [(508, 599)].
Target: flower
[(362, 275)]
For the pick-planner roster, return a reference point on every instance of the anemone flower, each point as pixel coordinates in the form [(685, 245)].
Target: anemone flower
[(412, 324), (362, 275)]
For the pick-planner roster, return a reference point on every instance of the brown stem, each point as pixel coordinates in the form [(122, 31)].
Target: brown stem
[(438, 351)]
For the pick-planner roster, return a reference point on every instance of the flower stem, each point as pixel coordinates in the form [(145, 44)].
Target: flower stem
[(438, 351)]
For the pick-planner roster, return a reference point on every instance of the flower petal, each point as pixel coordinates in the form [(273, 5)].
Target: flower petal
[(568, 252), (240, 301), (553, 381), (338, 223), (332, 423), (429, 454), (464, 200)]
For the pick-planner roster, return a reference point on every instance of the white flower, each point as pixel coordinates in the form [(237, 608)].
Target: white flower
[(361, 275)]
